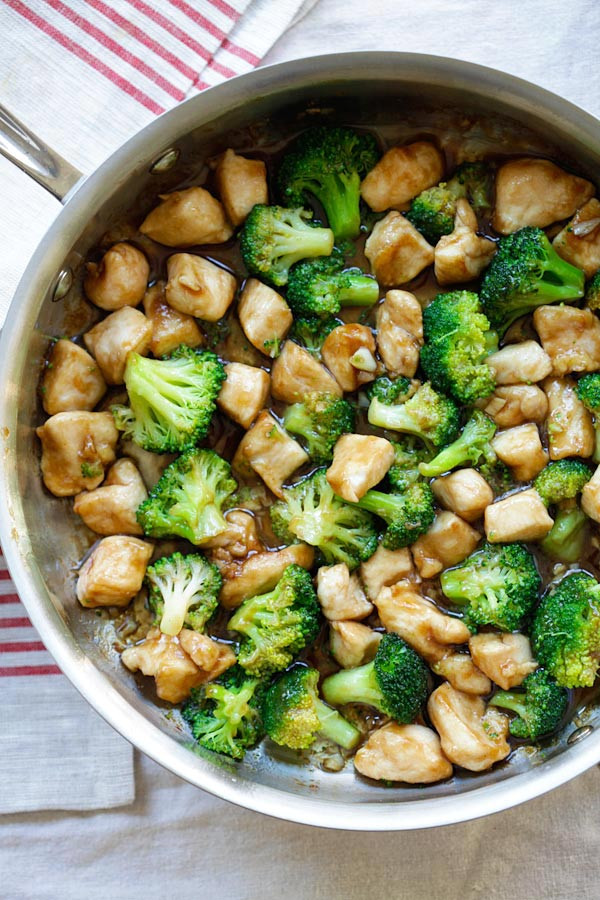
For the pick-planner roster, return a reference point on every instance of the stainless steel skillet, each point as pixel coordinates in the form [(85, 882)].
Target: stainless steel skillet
[(42, 538)]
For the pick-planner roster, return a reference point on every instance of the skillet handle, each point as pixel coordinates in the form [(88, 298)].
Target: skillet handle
[(35, 158)]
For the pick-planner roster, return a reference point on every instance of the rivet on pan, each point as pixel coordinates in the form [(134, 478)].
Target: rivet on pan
[(63, 285), (580, 734), (165, 161)]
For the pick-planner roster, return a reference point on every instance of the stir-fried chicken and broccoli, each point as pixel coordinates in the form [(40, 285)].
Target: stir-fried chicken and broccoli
[(346, 485)]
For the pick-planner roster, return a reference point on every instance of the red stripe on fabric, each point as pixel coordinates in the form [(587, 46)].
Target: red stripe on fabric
[(4, 575), (21, 647), (222, 70), (91, 60), (88, 28), (226, 9), (12, 671), (241, 52), (142, 38), (15, 622), (172, 29), (198, 19), (9, 598)]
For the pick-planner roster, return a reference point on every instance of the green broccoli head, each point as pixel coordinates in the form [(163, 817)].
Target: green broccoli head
[(457, 341), (592, 292), (274, 238), (562, 479), (408, 515), (469, 447), (171, 401), (409, 451), (329, 163), (429, 415), (320, 287), (497, 585), (276, 626), (311, 512), (432, 212), (320, 419), (183, 590), (188, 499), (224, 715), (390, 390), (311, 332), (293, 714), (565, 635), (567, 538), (588, 391), (395, 682), (525, 273), (540, 706)]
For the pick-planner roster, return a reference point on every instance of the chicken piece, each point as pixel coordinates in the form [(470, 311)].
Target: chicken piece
[(241, 184), (112, 340), (399, 321), (170, 328), (516, 404), (516, 363), (188, 217), (238, 540), (448, 541), (521, 449), (464, 492), (198, 287), (111, 508), (119, 279), (579, 241), (244, 392), (341, 595), (536, 192), (352, 644), (338, 351), (150, 465), (519, 517), (76, 446), (463, 254), (401, 174), (210, 656), (384, 568), (408, 753), (260, 573), (72, 379), (569, 424), (397, 251), (360, 461), (270, 452), (296, 373), (113, 572), (471, 735), (505, 658), (264, 316), (590, 497), (462, 673), (571, 338), (403, 610)]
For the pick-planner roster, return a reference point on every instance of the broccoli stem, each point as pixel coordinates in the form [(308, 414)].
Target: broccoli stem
[(393, 417), (566, 539), (383, 505), (358, 290), (510, 700), (340, 196), (335, 727), (357, 685), (294, 244)]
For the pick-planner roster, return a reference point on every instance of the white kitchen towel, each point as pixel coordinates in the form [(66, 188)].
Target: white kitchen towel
[(85, 76)]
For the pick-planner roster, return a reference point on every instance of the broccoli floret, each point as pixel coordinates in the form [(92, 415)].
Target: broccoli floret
[(293, 713), (183, 590), (497, 585), (310, 332), (592, 291), (562, 479), (390, 390), (565, 635), (276, 626), (171, 401), (409, 451), (496, 473), (539, 707), (311, 512), (274, 238), (428, 414), (525, 273), (408, 515), (470, 446), (395, 682), (432, 211), (188, 499), (567, 538), (457, 340), (329, 163), (320, 287), (224, 715), (320, 419), (588, 391)]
